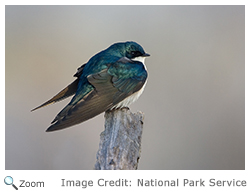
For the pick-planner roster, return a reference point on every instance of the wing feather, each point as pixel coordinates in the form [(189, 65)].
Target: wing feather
[(66, 92), (97, 101)]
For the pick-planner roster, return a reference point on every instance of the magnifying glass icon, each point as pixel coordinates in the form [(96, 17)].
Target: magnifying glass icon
[(9, 181)]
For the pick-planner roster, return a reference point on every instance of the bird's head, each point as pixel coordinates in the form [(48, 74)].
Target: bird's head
[(129, 49), (134, 50)]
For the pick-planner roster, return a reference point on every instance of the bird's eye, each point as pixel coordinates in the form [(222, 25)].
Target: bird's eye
[(136, 53)]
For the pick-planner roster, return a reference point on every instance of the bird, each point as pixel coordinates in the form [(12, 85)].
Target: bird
[(112, 79)]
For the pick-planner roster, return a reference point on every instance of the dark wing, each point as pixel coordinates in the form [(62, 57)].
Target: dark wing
[(66, 92), (110, 89)]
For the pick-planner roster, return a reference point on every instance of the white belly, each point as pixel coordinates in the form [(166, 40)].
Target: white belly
[(132, 98)]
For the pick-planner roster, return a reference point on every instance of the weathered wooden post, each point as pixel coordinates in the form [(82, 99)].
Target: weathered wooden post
[(120, 142)]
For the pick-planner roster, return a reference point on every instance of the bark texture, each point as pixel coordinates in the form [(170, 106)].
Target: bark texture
[(120, 142)]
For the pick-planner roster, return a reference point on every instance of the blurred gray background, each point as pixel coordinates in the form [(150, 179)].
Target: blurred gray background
[(193, 102)]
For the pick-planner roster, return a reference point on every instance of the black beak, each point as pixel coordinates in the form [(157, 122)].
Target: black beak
[(146, 55)]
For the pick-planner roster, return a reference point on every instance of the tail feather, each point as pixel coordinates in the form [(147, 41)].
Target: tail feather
[(66, 92)]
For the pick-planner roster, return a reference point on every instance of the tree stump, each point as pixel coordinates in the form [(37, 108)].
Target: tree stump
[(120, 142)]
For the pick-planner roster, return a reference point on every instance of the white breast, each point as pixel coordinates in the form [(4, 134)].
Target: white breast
[(132, 98), (140, 59)]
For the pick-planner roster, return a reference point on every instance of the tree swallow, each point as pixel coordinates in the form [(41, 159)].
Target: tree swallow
[(111, 79)]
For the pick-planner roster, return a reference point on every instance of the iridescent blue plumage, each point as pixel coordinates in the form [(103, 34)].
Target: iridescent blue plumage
[(112, 78)]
